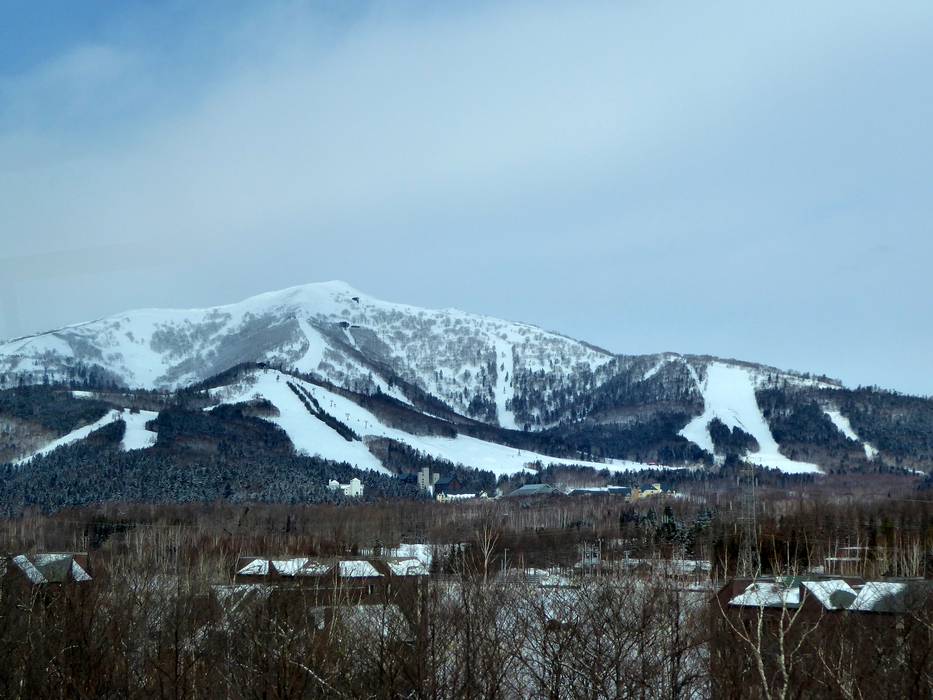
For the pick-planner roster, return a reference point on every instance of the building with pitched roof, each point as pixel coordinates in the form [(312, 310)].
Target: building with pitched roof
[(863, 625)]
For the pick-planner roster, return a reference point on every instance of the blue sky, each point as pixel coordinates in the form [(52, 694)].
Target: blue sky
[(719, 178)]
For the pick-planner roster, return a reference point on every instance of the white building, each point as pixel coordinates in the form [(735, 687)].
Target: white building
[(353, 490), (426, 480)]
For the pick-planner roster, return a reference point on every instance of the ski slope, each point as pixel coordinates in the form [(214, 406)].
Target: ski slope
[(845, 427), (136, 436), (308, 434), (505, 369), (312, 436), (729, 395)]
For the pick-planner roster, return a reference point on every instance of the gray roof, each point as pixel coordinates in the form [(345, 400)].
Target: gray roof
[(534, 490)]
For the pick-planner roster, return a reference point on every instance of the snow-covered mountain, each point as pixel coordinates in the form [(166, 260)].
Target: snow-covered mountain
[(493, 394), (330, 330)]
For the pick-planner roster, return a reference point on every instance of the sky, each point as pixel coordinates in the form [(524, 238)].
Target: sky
[(714, 178)]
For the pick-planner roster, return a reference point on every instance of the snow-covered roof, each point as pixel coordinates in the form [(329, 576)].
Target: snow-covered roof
[(27, 567), (357, 569), (288, 567), (51, 567), (257, 567), (768, 594), (880, 596), (834, 594), (406, 567), (78, 573), (422, 552), (284, 566)]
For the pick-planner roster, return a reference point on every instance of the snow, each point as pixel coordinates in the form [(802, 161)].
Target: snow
[(768, 595), (257, 567), (312, 436), (26, 566), (288, 567), (407, 567), (308, 434), (49, 558), (137, 436), (692, 371), (78, 573), (74, 436), (824, 590), (547, 578), (842, 423), (293, 566), (315, 352), (879, 596), (729, 395), (653, 371), (357, 569), (424, 553), (385, 619), (845, 427), (168, 348), (662, 362), (505, 368), (232, 596)]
